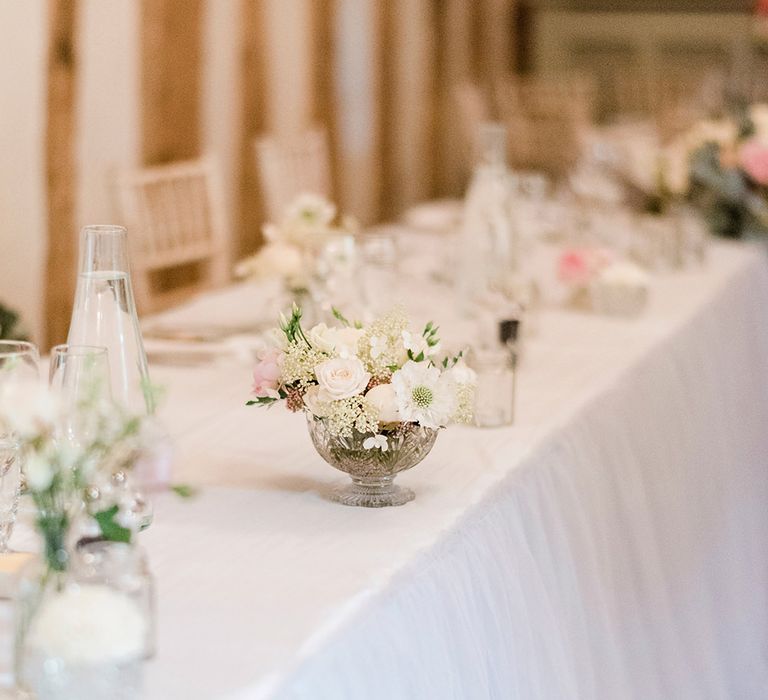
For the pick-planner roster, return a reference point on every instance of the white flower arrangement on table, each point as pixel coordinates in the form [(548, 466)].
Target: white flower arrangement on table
[(371, 379), (308, 222), (66, 477)]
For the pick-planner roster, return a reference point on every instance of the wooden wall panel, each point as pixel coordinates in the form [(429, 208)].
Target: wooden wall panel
[(455, 52), (171, 39), (60, 168), (324, 64), (253, 123)]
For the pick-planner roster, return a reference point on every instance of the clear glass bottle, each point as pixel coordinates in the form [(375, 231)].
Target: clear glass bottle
[(488, 241), (105, 314), (495, 391)]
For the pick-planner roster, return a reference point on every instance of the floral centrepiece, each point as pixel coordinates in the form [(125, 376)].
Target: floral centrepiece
[(729, 170), (307, 223), (375, 395)]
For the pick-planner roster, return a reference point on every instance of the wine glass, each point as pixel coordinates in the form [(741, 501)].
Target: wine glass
[(79, 374), (18, 365)]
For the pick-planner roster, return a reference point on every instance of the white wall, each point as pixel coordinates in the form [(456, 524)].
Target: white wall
[(108, 102), (22, 157)]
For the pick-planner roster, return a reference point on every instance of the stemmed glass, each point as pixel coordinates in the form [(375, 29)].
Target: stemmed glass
[(79, 374), (18, 365)]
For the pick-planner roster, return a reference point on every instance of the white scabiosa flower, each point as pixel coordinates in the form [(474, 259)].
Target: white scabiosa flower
[(424, 395), (376, 442)]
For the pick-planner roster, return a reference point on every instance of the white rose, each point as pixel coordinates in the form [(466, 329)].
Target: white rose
[(342, 377), (316, 400), (339, 340), (383, 397), (321, 337), (347, 340), (280, 259)]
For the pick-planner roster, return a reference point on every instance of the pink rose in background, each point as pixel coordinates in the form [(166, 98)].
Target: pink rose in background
[(754, 159), (573, 268), (577, 267), (266, 374)]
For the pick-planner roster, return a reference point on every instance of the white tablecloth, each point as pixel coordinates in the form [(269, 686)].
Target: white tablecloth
[(612, 544)]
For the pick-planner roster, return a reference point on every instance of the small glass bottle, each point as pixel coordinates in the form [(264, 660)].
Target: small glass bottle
[(124, 568), (496, 367)]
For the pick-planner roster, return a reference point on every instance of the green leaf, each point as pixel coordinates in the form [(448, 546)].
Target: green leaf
[(184, 490), (261, 401), (339, 316), (111, 530)]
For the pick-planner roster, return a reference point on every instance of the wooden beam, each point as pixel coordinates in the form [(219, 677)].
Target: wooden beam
[(171, 58), (60, 165), (323, 81), (253, 121), (385, 103)]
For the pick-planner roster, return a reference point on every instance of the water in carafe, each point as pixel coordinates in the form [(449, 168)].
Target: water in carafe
[(105, 314)]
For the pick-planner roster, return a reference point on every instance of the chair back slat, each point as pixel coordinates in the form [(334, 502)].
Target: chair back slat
[(289, 167), (175, 217)]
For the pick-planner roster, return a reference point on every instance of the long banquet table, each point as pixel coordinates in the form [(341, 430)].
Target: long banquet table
[(612, 544)]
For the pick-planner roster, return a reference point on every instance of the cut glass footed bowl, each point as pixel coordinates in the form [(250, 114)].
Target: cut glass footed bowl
[(372, 470)]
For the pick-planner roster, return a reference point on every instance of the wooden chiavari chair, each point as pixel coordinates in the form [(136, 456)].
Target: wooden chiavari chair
[(175, 218)]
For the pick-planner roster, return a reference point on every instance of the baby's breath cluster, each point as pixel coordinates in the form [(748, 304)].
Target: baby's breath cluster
[(465, 400), (381, 348), (354, 413), (299, 363)]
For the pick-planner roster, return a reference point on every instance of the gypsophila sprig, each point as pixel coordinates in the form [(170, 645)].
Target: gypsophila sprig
[(372, 379)]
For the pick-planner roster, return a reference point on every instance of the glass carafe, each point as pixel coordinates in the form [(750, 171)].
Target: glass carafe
[(105, 314), (488, 241)]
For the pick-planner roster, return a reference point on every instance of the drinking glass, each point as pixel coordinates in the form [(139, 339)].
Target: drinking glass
[(380, 273), (79, 374), (18, 366)]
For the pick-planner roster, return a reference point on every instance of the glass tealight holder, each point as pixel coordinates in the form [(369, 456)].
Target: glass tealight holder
[(123, 567), (495, 391)]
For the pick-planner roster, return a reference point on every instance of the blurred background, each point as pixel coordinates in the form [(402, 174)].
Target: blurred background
[(92, 89)]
